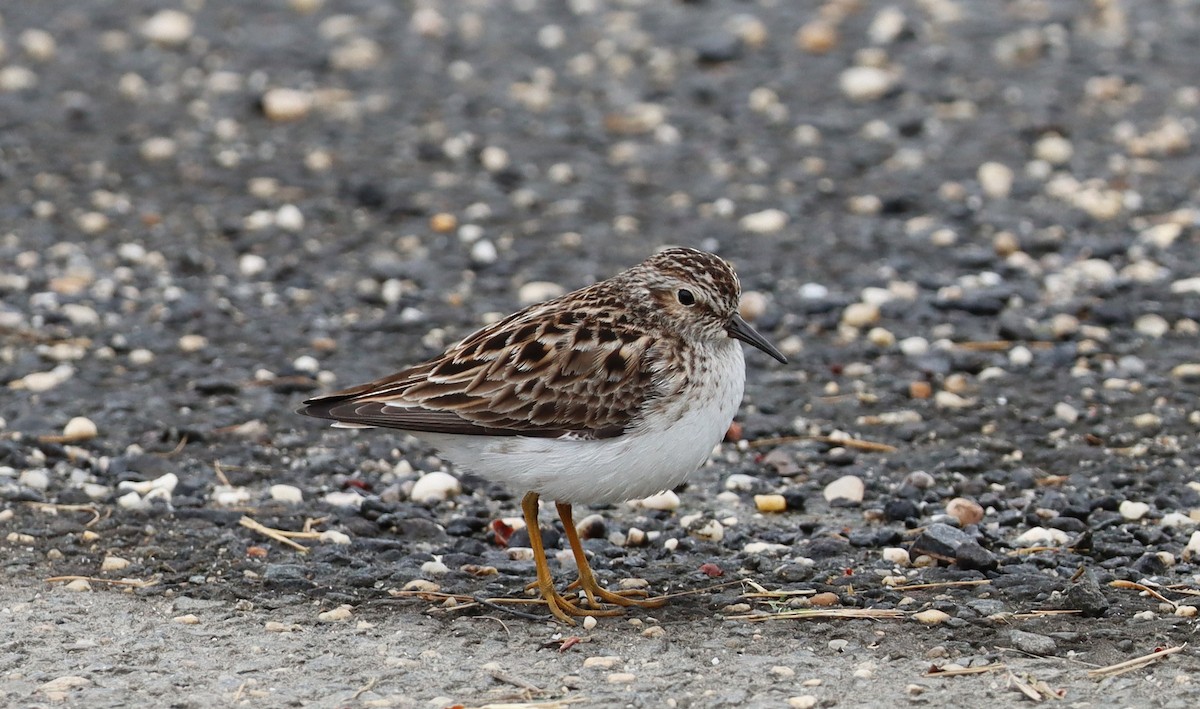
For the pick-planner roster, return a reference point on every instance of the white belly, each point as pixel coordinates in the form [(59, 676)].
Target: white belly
[(657, 455)]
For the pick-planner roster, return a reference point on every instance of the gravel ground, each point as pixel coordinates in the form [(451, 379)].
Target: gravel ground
[(974, 227)]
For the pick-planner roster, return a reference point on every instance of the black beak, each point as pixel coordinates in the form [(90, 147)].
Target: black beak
[(739, 329)]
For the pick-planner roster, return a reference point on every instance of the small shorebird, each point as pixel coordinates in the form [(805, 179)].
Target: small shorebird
[(609, 393)]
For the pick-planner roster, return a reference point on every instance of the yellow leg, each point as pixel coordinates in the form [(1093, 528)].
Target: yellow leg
[(587, 581), (559, 606)]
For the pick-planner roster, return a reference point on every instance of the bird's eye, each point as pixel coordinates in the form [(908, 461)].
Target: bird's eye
[(686, 297)]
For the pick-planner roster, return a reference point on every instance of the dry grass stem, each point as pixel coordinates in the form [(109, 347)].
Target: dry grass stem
[(855, 443), (1144, 589), (959, 671), (279, 535), (940, 584), (835, 613), (1135, 663), (132, 583)]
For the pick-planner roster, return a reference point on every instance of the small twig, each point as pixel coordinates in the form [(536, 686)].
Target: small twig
[(501, 676), (1029, 615), (501, 622), (221, 474), (939, 672), (807, 613), (1146, 590), (940, 584), (183, 441), (855, 443), (135, 583), (501, 609), (276, 534), (365, 688), (51, 506), (1135, 663), (1001, 345)]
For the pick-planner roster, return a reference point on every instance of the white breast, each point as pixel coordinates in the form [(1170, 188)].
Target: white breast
[(657, 455)]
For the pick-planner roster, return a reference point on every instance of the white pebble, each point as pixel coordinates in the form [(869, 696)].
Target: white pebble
[(896, 555), (230, 496), (483, 252), (251, 265), (1053, 148), (1133, 511), (1192, 550), (914, 346), (538, 291), (1177, 519), (860, 315), (1065, 412), (289, 494), (168, 27), (37, 382), (768, 221), (865, 83), (307, 364), (753, 305), (1152, 325), (286, 104), (192, 343), (141, 357), (337, 615), (666, 500), (493, 159), (740, 482), (80, 428), (113, 563), (130, 501), (332, 536), (435, 567), (157, 149), (1042, 536), (289, 218), (996, 179), (435, 487), (847, 487), (165, 482), (589, 622), (38, 479), (1020, 356), (345, 498)]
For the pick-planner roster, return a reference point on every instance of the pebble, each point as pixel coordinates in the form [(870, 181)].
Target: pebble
[(337, 615), (1066, 413), (289, 494), (435, 487), (332, 536), (888, 25), (666, 500), (230, 496), (170, 28), (165, 482), (967, 512), (1192, 550), (80, 428), (1187, 372), (78, 586), (435, 567), (765, 548), (1176, 519), (589, 622), (188, 619), (931, 616), (192, 343), (860, 315), (896, 555), (539, 291), (709, 530), (483, 252), (1041, 536), (603, 662), (1152, 325), (422, 585), (38, 382), (770, 503), (1133, 511), (114, 563), (37, 479), (130, 501), (621, 677), (753, 305), (656, 631), (251, 265), (865, 83), (803, 701), (1053, 148), (768, 221), (817, 37), (847, 487), (996, 179), (1032, 643), (344, 498), (740, 482), (283, 104)]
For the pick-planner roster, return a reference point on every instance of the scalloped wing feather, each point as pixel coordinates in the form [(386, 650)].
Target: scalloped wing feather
[(551, 370)]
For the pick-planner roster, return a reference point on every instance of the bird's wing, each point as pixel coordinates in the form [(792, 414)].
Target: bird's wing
[(551, 370)]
